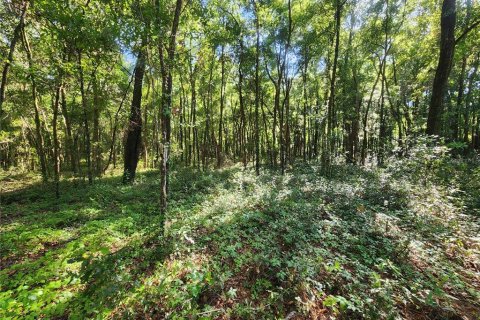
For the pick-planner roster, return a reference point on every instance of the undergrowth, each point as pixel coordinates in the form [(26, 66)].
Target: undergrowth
[(361, 243)]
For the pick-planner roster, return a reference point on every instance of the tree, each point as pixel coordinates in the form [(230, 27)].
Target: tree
[(134, 135), (8, 62), (257, 89), (167, 62), (39, 140), (445, 60), (261, 83)]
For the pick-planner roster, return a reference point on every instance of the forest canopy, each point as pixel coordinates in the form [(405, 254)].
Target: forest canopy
[(86, 83), (162, 95)]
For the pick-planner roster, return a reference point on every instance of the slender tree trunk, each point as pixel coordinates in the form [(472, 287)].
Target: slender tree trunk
[(145, 127), (383, 125), (182, 132), (167, 84), (71, 150), (38, 126), (56, 162), (220, 122), (208, 135), (112, 153), (468, 100), (265, 126), (445, 60), (365, 117), (85, 119), (205, 146), (276, 107), (243, 120), (17, 34), (331, 100), (456, 110), (383, 129), (257, 90), (134, 133), (281, 138), (193, 116), (305, 104), (97, 152), (287, 139), (354, 133), (316, 134)]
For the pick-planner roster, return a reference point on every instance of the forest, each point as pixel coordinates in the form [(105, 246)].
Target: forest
[(240, 159)]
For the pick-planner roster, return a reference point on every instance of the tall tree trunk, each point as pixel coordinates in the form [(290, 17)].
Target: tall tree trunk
[(71, 149), (456, 110), (445, 60), (85, 119), (39, 143), (220, 122), (461, 86), (331, 100), (279, 108), (208, 134), (276, 107), (257, 90), (56, 162), (354, 134), (193, 146), (243, 120), (166, 66), (468, 99), (265, 126), (305, 104), (365, 117), (17, 33), (112, 152), (287, 139), (145, 126), (134, 134), (383, 125), (97, 152), (281, 138), (316, 133)]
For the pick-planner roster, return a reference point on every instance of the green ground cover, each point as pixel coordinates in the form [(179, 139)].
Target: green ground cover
[(375, 244)]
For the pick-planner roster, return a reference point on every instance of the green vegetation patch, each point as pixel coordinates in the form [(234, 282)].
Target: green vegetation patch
[(360, 243)]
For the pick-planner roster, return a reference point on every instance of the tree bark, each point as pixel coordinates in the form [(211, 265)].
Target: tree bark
[(112, 152), (56, 162), (39, 143), (133, 143), (257, 90), (166, 66), (468, 100), (243, 120), (71, 150), (145, 126), (193, 145), (17, 33), (97, 152), (305, 104), (383, 126), (445, 60), (85, 119), (331, 100), (456, 110), (220, 122), (365, 117)]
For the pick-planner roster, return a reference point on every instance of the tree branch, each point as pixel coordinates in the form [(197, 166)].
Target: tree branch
[(466, 31)]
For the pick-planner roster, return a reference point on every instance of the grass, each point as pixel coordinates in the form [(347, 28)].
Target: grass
[(361, 243)]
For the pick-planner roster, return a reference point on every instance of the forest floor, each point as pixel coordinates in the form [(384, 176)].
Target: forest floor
[(362, 243)]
